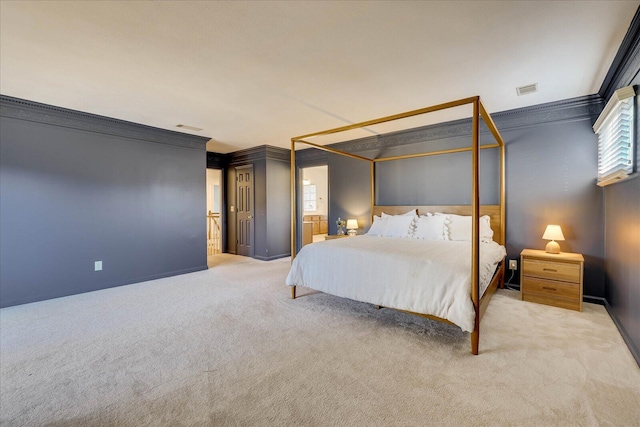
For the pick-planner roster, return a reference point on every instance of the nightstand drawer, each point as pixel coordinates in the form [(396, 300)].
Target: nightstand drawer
[(550, 288), (567, 272)]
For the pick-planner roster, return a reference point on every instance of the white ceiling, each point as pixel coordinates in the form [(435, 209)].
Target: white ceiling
[(253, 73)]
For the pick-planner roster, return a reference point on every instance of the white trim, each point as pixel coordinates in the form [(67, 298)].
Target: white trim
[(619, 95), (612, 178)]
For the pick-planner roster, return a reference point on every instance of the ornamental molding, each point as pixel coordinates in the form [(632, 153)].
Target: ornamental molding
[(261, 152), (217, 160), (582, 108), (568, 110), (22, 109), (311, 155)]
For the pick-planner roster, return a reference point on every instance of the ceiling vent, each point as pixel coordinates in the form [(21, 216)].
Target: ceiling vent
[(187, 127), (526, 90)]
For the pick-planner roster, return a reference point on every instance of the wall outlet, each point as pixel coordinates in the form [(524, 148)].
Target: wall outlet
[(97, 266), (513, 264)]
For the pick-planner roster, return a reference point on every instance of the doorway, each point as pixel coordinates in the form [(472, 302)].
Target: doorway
[(214, 213), (315, 203)]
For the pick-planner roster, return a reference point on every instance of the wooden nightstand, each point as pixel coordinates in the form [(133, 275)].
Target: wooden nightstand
[(335, 236), (552, 279)]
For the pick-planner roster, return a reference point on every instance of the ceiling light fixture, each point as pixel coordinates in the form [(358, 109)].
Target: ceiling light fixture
[(526, 90), (193, 128)]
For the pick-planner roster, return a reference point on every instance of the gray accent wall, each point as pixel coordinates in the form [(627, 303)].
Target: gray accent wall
[(551, 174), (272, 200), (77, 188), (622, 250), (349, 191), (622, 208)]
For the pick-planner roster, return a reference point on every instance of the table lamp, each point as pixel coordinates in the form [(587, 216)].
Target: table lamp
[(553, 233), (352, 225)]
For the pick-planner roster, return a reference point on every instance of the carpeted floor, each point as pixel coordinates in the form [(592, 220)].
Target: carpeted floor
[(228, 346)]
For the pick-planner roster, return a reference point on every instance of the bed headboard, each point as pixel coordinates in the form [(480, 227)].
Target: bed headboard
[(492, 210)]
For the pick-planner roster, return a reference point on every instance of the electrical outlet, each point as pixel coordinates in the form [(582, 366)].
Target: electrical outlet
[(513, 264), (97, 266)]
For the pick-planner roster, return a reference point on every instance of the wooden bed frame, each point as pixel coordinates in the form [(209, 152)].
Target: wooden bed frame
[(475, 210)]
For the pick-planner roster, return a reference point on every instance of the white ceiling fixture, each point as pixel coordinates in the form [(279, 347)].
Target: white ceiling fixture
[(187, 127), (253, 73), (528, 89)]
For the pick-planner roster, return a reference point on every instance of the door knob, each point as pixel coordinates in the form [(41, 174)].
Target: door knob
[(250, 217)]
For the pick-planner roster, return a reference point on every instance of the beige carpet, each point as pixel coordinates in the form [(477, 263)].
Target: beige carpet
[(228, 347)]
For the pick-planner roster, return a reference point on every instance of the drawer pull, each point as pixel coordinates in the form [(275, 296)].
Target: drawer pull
[(550, 269), (549, 289)]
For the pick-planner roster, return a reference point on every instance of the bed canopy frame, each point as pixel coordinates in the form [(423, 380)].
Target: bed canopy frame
[(498, 217)]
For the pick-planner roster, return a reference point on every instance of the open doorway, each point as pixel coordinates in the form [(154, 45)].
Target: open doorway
[(214, 214), (315, 203)]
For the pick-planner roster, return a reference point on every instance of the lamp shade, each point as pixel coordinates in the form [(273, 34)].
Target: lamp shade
[(553, 232), (352, 224)]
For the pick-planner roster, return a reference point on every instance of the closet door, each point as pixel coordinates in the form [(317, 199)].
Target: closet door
[(244, 210)]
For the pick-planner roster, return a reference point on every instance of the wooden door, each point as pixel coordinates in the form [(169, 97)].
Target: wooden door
[(244, 210)]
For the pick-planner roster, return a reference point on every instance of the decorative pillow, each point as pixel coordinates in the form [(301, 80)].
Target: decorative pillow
[(431, 227), (378, 227), (459, 227), (399, 226), (413, 213)]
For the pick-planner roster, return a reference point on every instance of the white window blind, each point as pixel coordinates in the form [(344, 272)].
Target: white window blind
[(616, 151)]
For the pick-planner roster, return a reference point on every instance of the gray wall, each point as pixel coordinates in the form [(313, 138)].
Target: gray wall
[(622, 249), (348, 191), (272, 201), (551, 173), (278, 190), (622, 207), (72, 196)]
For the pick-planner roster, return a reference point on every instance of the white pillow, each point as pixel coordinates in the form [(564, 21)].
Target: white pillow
[(459, 228), (412, 213), (378, 227), (431, 228), (399, 226)]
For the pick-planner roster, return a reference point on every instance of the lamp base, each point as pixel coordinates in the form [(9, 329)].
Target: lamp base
[(553, 247), (351, 233)]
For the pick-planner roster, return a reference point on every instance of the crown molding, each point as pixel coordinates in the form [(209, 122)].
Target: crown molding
[(57, 116), (261, 152), (217, 160), (626, 64), (568, 110), (311, 155), (582, 108)]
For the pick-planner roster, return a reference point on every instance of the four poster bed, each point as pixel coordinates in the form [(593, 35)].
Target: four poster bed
[(439, 262)]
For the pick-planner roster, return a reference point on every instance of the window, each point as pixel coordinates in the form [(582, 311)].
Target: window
[(616, 139), (309, 193)]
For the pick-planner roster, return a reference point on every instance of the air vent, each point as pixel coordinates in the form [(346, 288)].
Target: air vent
[(526, 90), (193, 128)]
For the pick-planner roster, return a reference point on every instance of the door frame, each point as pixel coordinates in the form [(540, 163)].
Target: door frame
[(223, 206), (300, 197)]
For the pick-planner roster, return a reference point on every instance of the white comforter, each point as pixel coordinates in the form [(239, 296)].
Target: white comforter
[(423, 276)]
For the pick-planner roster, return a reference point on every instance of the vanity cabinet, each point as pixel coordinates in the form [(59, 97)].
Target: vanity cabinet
[(320, 223)]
